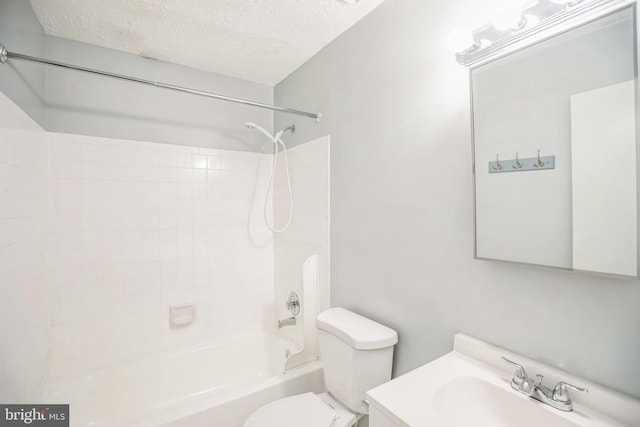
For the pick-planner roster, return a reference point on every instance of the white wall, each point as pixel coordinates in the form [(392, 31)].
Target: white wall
[(135, 227), (24, 301), (396, 105)]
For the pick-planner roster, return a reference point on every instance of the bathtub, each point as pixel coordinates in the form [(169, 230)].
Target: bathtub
[(217, 385)]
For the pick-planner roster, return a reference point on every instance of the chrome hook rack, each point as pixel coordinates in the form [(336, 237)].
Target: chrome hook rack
[(522, 165)]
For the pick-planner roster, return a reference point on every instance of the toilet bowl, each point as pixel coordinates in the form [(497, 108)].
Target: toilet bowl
[(357, 354)]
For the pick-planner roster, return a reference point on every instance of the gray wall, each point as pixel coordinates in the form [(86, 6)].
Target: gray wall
[(23, 82), (86, 104), (397, 108), (72, 102)]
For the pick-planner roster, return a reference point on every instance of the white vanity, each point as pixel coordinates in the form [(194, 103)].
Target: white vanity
[(472, 386)]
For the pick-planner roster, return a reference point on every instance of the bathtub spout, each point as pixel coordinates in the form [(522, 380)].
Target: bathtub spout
[(286, 322)]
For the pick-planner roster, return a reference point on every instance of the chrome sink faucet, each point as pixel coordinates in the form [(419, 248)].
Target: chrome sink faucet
[(556, 397)]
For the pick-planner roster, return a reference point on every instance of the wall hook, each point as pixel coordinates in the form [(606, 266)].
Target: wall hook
[(521, 165), (517, 164), (498, 166)]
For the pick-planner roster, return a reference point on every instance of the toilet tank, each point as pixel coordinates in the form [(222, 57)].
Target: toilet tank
[(357, 354)]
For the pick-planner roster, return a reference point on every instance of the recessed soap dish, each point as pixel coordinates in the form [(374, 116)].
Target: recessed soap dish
[(182, 315)]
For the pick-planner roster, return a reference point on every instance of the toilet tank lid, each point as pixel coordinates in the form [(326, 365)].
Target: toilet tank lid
[(357, 331)]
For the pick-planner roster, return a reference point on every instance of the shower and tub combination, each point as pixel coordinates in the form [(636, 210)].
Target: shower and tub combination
[(223, 375), (137, 228), (224, 380)]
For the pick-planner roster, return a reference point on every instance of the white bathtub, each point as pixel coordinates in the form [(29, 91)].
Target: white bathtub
[(218, 385)]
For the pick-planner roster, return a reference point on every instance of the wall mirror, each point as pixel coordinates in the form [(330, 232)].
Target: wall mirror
[(555, 150)]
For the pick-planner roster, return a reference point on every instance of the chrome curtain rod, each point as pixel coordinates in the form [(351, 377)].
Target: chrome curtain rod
[(5, 55)]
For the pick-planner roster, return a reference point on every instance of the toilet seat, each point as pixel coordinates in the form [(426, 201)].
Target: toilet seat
[(308, 409)]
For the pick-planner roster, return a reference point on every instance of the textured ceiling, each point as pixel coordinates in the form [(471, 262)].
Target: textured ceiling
[(257, 40)]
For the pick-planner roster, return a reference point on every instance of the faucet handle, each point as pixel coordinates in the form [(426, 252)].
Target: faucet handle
[(559, 393), (520, 375)]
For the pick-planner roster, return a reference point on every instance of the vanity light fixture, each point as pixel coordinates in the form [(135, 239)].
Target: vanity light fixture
[(511, 25)]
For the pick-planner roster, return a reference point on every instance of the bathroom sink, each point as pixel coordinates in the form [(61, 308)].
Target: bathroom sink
[(471, 386), (473, 401)]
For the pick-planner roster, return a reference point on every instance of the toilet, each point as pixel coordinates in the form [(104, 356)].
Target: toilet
[(357, 354)]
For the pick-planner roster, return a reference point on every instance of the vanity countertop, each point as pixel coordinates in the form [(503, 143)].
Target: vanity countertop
[(472, 385)]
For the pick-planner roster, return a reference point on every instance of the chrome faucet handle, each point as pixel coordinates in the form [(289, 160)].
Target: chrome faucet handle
[(560, 394), (519, 376), (293, 303)]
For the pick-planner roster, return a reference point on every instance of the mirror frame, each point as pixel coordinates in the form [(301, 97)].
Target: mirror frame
[(568, 21)]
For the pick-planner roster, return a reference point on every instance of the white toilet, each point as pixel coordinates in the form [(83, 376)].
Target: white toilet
[(357, 354)]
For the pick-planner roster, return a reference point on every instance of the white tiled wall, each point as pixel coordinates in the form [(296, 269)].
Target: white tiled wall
[(307, 235), (136, 227), (24, 334), (98, 237)]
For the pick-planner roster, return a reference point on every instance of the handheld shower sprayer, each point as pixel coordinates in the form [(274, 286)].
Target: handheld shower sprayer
[(262, 130), (276, 139)]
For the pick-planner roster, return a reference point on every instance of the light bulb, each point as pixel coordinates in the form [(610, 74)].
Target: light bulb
[(508, 18), (460, 39)]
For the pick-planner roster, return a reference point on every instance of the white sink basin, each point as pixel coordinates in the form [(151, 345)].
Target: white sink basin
[(472, 401), (471, 386)]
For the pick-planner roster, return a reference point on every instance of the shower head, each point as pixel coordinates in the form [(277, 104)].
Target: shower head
[(292, 128), (250, 125), (278, 135)]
